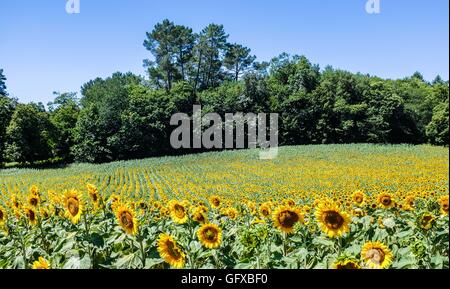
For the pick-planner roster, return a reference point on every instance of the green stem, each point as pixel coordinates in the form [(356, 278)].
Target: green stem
[(284, 244), (44, 243), (142, 249), (24, 253)]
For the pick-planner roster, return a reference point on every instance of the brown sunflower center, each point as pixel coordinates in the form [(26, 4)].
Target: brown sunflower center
[(33, 201), (445, 207), (199, 217), (426, 220), (358, 199), (288, 219), (375, 255), (386, 200), (94, 197), (31, 215), (179, 211), (210, 234), (173, 250), (73, 206), (216, 202), (1, 215), (333, 219), (127, 220), (265, 212)]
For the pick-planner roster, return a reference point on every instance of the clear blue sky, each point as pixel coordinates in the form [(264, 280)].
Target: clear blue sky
[(44, 49)]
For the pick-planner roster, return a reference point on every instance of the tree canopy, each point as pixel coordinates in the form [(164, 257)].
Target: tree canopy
[(126, 116)]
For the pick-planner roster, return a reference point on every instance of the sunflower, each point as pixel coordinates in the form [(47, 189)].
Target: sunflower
[(126, 219), (94, 195), (15, 203), (332, 221), (142, 205), (232, 213), (410, 202), (426, 220), (290, 202), (34, 190), (376, 255), (170, 252), (73, 205), (358, 213), (385, 200), (258, 222), (346, 263), (41, 264), (114, 201), (285, 218), (31, 215), (358, 198), (210, 235), (199, 216), (264, 210), (44, 212), (215, 201), (33, 200), (443, 201), (178, 212), (3, 215)]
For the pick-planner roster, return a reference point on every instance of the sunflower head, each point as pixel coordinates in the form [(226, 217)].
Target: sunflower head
[(376, 255), (332, 220), (426, 220), (33, 200), (346, 263), (358, 212), (210, 235), (15, 204), (34, 190), (3, 215), (41, 263), (358, 198), (410, 202), (127, 219), (285, 218), (31, 215), (94, 195), (215, 201), (142, 205), (443, 202), (265, 210), (385, 200), (44, 212), (199, 215), (232, 213), (114, 201), (73, 204), (170, 252), (178, 212), (290, 202)]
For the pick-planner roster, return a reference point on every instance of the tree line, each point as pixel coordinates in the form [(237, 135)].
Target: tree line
[(126, 116)]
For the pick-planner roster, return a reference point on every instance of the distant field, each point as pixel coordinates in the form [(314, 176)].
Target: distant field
[(306, 179), (299, 172)]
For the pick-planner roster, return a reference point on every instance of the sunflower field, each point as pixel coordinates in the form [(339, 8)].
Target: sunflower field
[(325, 206)]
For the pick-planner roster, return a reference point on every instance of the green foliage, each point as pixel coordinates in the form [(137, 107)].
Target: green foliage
[(29, 134), (2, 84), (125, 116)]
